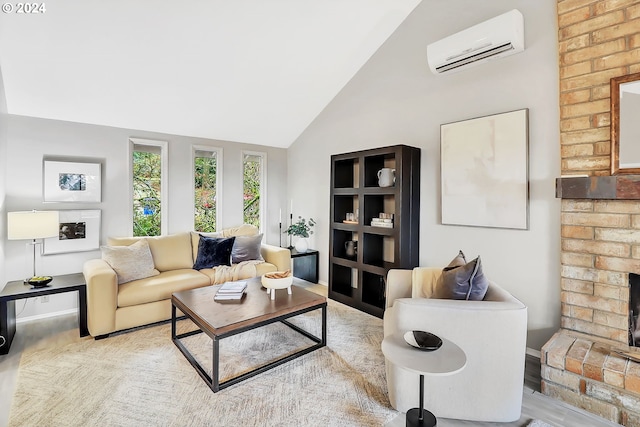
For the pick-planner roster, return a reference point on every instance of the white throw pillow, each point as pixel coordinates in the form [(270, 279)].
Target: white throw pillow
[(131, 262)]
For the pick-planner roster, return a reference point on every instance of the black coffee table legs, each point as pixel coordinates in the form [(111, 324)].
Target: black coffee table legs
[(420, 417)]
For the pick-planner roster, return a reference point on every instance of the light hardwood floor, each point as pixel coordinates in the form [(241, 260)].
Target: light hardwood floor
[(535, 405)]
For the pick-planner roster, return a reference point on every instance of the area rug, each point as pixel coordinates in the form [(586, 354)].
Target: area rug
[(141, 378), (538, 423)]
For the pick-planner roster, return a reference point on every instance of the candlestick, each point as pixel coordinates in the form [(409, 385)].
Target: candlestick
[(280, 233), (291, 223)]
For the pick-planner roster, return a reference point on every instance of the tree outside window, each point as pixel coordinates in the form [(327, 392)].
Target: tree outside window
[(147, 213), (205, 190), (252, 188)]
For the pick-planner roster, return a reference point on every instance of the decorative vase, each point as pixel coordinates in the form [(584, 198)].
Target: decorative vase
[(386, 177), (301, 245)]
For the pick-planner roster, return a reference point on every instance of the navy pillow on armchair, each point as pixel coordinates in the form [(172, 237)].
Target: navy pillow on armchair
[(213, 251)]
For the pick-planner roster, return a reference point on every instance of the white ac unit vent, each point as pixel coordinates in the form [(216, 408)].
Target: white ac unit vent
[(496, 38)]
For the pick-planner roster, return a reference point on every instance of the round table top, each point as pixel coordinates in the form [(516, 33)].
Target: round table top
[(446, 360)]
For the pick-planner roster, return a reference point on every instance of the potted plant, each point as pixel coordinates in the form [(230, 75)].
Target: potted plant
[(302, 229)]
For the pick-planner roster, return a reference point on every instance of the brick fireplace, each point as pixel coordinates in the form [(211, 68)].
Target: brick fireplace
[(600, 216)]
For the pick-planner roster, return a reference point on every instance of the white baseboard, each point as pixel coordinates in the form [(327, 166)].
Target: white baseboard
[(46, 315), (534, 353)]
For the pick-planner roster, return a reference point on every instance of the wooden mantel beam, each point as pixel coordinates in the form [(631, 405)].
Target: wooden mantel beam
[(615, 187)]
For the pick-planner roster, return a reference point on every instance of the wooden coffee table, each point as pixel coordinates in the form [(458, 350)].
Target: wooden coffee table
[(221, 320)]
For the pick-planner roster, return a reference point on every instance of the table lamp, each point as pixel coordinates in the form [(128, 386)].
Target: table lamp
[(33, 225)]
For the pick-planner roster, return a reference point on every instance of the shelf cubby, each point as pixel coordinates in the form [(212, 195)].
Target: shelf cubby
[(343, 280), (344, 204), (340, 238), (345, 173), (373, 289)]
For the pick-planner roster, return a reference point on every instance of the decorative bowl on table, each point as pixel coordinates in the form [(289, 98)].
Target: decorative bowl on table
[(277, 279), (39, 281), (425, 341)]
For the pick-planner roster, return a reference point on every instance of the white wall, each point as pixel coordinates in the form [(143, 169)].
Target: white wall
[(394, 99), (3, 169), (31, 139)]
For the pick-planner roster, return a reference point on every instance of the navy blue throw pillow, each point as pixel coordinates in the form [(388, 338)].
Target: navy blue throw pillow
[(213, 251)]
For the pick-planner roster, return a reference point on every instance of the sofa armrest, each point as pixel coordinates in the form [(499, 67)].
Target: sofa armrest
[(280, 257), (398, 285), (102, 296)]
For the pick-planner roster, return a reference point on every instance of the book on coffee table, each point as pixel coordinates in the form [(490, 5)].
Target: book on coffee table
[(233, 287), (231, 291)]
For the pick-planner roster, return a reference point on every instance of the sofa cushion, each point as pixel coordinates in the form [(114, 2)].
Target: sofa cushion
[(160, 287), (131, 262), (195, 240), (213, 252), (425, 282), (466, 282), (246, 248), (170, 252), (241, 230)]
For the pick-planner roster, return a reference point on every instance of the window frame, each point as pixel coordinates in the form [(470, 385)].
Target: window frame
[(164, 180)]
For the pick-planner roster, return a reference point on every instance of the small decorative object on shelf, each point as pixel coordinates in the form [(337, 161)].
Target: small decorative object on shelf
[(351, 248), (383, 220), (386, 177), (302, 230)]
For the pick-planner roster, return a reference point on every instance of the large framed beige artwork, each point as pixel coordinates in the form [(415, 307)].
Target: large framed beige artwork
[(485, 171)]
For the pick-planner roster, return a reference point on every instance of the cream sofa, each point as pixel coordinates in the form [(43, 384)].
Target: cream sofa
[(492, 333), (112, 307)]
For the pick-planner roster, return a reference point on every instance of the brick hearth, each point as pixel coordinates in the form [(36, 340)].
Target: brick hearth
[(600, 233)]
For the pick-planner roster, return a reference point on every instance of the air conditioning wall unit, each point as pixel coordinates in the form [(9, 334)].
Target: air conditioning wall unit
[(495, 38)]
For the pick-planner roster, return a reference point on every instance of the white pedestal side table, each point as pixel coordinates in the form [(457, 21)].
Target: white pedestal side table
[(446, 360)]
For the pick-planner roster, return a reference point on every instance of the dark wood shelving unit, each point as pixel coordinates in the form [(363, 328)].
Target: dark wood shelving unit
[(360, 281)]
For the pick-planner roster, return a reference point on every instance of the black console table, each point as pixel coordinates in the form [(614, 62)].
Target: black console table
[(305, 264), (19, 290)]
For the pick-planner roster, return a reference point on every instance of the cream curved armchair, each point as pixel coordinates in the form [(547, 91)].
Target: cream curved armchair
[(491, 332)]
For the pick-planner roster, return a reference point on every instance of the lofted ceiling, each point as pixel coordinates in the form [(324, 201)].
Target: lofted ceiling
[(253, 71)]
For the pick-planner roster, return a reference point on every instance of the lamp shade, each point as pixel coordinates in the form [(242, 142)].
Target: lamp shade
[(32, 225)]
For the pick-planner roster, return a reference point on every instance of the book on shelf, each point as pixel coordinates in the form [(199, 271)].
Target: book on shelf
[(379, 223)]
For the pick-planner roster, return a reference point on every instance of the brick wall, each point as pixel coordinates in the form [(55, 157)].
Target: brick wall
[(600, 239), (598, 40)]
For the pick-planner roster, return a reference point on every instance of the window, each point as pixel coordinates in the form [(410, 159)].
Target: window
[(253, 186), (148, 159), (206, 185)]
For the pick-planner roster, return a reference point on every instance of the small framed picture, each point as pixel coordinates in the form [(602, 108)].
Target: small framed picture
[(78, 231), (71, 182)]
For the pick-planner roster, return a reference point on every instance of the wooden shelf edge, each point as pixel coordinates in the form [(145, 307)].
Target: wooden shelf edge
[(614, 187)]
